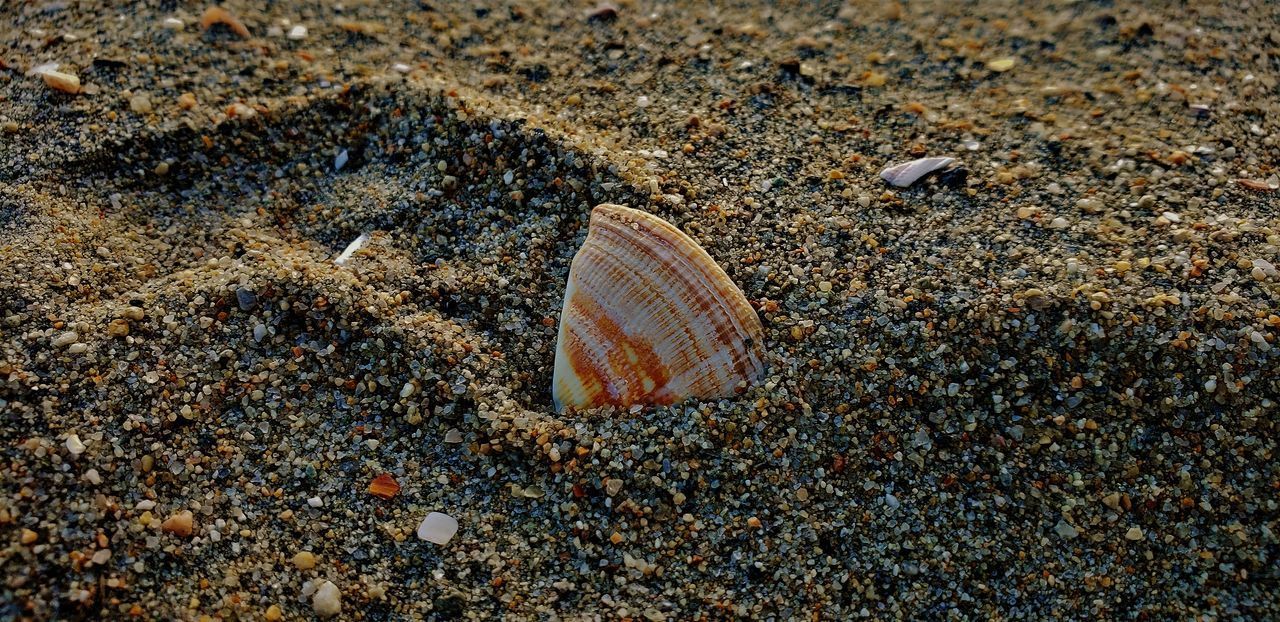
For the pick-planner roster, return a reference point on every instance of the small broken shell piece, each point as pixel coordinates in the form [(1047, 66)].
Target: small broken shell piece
[(649, 318), (907, 173), (218, 15), (352, 248), (1256, 185)]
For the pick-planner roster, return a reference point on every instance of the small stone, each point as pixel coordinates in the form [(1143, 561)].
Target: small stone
[(616, 538), (1065, 529), (304, 560), (259, 332), (453, 436), (1059, 223), (384, 487), (74, 445), (437, 528), (1001, 65), (753, 522), (1134, 534), (173, 23), (65, 339), (246, 298), (179, 524), (186, 101), (327, 601), (29, 536), (1112, 501), (315, 502), (612, 486), (408, 389), (92, 477), (59, 81), (101, 556), (118, 328), (297, 33), (273, 614), (140, 104)]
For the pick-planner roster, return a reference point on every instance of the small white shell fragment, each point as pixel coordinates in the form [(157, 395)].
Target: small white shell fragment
[(907, 173), (297, 33), (42, 69), (173, 23), (351, 249), (340, 161), (437, 528), (401, 68)]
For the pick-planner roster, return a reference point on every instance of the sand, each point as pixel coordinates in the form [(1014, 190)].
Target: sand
[(1042, 384)]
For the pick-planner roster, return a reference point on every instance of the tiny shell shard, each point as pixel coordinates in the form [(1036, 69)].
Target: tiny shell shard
[(649, 318), (218, 15), (907, 173)]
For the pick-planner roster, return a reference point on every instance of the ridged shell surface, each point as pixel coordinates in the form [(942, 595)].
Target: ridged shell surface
[(649, 318), (907, 173)]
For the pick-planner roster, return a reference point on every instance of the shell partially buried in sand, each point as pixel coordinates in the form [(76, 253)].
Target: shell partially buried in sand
[(649, 318)]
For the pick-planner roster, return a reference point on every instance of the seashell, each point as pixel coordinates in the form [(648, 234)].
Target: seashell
[(907, 173), (218, 15), (351, 249), (649, 318)]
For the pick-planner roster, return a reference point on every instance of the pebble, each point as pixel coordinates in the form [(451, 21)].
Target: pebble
[(59, 81), (1001, 65), (92, 477), (140, 104), (315, 502), (247, 299), (327, 600), (1134, 534), (179, 524), (304, 560), (1066, 530), (74, 445), (437, 528), (65, 339), (297, 33), (273, 614)]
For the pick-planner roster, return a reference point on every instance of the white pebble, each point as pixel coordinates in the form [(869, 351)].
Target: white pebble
[(327, 601), (173, 23), (297, 33), (438, 528), (65, 339), (74, 445), (315, 502), (92, 477)]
